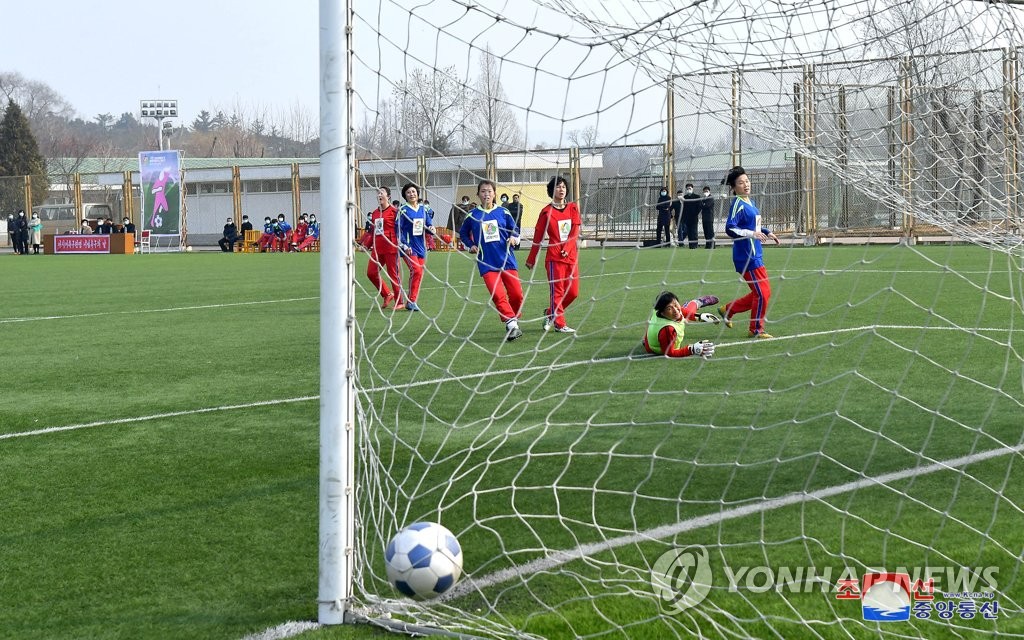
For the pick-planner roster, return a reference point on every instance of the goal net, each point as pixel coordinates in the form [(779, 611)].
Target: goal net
[(860, 473)]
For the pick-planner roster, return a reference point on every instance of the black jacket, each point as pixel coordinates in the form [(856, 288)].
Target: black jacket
[(707, 206), (691, 204), (664, 207)]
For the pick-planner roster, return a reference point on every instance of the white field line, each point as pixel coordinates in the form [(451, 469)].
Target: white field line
[(282, 631), (436, 381), (155, 416), (167, 309), (558, 558)]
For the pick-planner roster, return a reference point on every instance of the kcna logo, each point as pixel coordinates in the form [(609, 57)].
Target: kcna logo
[(892, 597), (885, 597)]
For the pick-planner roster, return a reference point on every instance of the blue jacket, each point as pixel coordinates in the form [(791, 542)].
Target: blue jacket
[(490, 231), (743, 221), (411, 221)]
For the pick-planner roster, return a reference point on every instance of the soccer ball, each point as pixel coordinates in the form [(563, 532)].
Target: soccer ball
[(423, 560), (188, 248)]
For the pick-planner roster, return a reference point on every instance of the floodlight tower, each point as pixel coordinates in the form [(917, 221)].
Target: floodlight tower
[(158, 110)]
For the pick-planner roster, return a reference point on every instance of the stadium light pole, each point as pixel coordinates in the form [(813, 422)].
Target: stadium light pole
[(158, 110), (337, 316)]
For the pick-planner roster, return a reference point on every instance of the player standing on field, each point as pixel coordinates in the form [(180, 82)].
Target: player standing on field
[(415, 220), (381, 240), (560, 221), (490, 232), (744, 226)]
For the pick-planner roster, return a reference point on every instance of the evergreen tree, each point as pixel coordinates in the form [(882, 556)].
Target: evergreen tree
[(19, 157)]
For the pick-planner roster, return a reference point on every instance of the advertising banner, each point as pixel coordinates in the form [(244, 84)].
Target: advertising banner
[(82, 244), (160, 182)]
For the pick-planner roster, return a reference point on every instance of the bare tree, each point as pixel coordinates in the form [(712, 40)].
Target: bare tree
[(36, 99), (379, 134), (585, 139), (297, 123), (430, 106), (916, 39), (492, 123)]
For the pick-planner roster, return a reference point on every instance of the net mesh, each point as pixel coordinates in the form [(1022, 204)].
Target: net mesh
[(599, 492)]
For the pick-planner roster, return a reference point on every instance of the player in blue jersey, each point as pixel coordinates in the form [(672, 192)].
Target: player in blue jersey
[(490, 232), (744, 226), (415, 221)]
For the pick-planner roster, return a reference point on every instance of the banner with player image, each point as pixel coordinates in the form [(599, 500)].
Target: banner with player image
[(160, 183)]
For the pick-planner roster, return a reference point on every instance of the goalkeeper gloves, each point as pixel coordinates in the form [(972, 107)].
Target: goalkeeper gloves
[(704, 349)]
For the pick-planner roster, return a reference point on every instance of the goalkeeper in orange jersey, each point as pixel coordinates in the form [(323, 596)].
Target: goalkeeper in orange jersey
[(666, 327)]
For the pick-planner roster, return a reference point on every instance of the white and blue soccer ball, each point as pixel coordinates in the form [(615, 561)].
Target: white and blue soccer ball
[(423, 560)]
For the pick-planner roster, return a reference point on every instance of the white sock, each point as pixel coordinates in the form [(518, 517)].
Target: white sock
[(512, 324)]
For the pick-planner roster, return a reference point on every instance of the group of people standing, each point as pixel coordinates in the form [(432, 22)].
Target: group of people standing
[(491, 233), (20, 231), (685, 211)]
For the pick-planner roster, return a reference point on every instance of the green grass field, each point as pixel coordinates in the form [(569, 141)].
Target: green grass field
[(159, 429)]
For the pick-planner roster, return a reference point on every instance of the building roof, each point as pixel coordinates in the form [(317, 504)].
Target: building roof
[(120, 165)]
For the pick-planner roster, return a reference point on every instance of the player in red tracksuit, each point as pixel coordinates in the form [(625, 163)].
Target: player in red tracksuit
[(381, 240), (560, 221), (299, 234)]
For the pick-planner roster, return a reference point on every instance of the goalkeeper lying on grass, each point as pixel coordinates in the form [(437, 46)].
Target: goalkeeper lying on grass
[(667, 324)]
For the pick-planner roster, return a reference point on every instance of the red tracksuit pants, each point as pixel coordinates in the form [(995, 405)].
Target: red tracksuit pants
[(756, 302), (506, 293), (563, 287), (416, 267), (390, 263)]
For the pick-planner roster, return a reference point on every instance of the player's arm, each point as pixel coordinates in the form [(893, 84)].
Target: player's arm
[(538, 236), (466, 235), (577, 225), (513, 228), (766, 234), (366, 240), (667, 338)]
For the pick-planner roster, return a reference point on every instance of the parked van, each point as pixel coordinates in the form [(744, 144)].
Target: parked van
[(60, 218)]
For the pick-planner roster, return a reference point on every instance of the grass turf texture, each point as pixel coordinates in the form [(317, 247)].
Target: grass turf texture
[(204, 526)]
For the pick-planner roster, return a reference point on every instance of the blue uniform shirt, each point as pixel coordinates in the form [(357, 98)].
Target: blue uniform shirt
[(746, 250), (412, 224), (490, 231)]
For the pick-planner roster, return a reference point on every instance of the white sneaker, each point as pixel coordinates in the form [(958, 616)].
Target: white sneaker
[(512, 330), (547, 323), (565, 329)]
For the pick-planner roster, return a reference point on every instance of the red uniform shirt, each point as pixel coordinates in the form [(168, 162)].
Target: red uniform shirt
[(562, 227), (382, 235)]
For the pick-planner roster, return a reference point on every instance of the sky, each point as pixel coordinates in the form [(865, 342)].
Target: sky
[(558, 74), (106, 57)]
